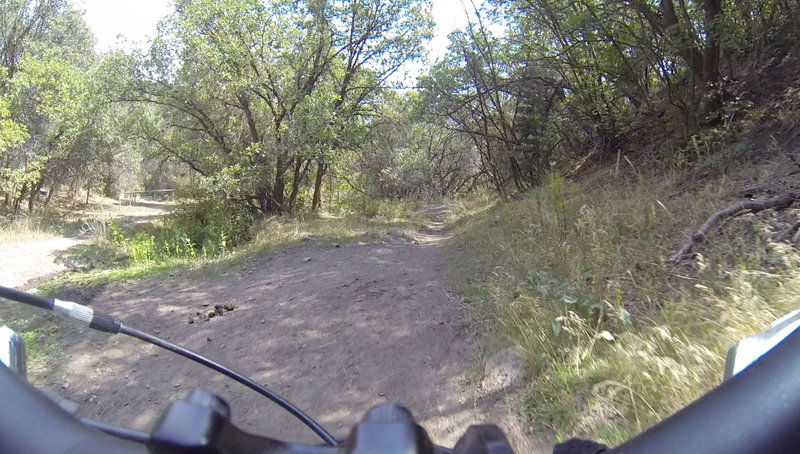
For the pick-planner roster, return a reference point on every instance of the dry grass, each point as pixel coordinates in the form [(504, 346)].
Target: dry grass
[(19, 229), (268, 237), (617, 338), (282, 232)]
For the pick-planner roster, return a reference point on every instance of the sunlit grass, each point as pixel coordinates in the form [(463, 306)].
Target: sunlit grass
[(617, 337), (268, 237), (20, 229)]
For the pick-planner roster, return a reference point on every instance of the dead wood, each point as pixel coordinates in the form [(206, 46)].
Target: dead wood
[(784, 234), (779, 202)]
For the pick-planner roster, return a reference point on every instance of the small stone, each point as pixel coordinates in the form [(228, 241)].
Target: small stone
[(306, 259), (503, 370), (191, 320), (263, 321), (208, 339), (396, 232), (176, 385), (206, 304)]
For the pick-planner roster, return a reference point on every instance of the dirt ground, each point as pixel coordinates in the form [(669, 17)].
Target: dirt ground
[(24, 263), (335, 329)]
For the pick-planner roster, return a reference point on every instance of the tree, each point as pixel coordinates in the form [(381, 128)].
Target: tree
[(53, 91), (250, 91)]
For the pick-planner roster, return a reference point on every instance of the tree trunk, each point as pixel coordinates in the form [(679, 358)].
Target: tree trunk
[(34, 194), (690, 54), (316, 201), (8, 193), (50, 193), (298, 164), (713, 10), (19, 198), (275, 203), (262, 194), (516, 173)]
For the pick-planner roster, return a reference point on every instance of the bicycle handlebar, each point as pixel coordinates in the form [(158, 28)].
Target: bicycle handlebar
[(201, 424), (756, 411)]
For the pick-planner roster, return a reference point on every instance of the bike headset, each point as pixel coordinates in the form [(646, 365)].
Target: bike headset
[(756, 411)]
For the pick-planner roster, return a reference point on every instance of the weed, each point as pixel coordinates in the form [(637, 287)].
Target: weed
[(616, 337)]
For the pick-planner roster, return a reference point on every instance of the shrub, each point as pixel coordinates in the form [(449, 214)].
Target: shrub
[(206, 227)]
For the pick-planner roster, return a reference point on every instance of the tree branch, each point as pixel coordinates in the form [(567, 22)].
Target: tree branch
[(780, 202)]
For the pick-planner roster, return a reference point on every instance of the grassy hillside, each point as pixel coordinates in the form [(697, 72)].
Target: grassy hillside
[(578, 276)]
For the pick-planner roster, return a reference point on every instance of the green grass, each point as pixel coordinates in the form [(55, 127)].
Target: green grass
[(109, 263), (616, 337)]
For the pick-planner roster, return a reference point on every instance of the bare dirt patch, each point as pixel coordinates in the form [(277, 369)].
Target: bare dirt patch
[(21, 263), (26, 262), (335, 329)]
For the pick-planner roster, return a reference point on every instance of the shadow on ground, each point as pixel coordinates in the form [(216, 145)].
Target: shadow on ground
[(335, 330)]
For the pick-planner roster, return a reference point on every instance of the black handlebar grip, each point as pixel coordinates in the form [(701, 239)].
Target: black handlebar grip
[(483, 439), (105, 323)]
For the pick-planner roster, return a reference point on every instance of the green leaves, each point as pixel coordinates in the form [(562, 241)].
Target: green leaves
[(252, 93), (11, 132)]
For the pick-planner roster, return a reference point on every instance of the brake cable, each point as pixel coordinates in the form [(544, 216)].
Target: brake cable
[(109, 324)]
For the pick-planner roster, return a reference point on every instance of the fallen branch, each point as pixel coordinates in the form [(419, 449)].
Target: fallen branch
[(787, 233), (780, 202)]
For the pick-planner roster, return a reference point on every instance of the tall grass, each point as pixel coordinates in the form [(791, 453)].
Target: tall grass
[(616, 337), (22, 228)]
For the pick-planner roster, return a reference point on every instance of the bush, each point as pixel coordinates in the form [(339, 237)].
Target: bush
[(143, 248), (206, 227)]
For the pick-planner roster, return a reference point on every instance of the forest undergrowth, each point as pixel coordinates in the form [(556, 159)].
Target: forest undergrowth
[(205, 237), (578, 276)]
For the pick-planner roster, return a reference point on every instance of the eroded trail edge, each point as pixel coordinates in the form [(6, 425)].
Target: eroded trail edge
[(335, 329)]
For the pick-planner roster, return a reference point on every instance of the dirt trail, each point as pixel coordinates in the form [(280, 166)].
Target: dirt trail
[(335, 329), (25, 263), (21, 263)]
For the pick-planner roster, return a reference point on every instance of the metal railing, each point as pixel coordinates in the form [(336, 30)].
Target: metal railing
[(132, 196)]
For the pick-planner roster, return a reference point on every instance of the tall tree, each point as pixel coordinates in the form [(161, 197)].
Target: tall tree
[(251, 90)]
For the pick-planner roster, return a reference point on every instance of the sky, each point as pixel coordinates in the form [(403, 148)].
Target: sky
[(136, 21)]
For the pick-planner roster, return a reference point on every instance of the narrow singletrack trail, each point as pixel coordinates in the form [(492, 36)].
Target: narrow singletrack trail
[(335, 329), (23, 263)]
